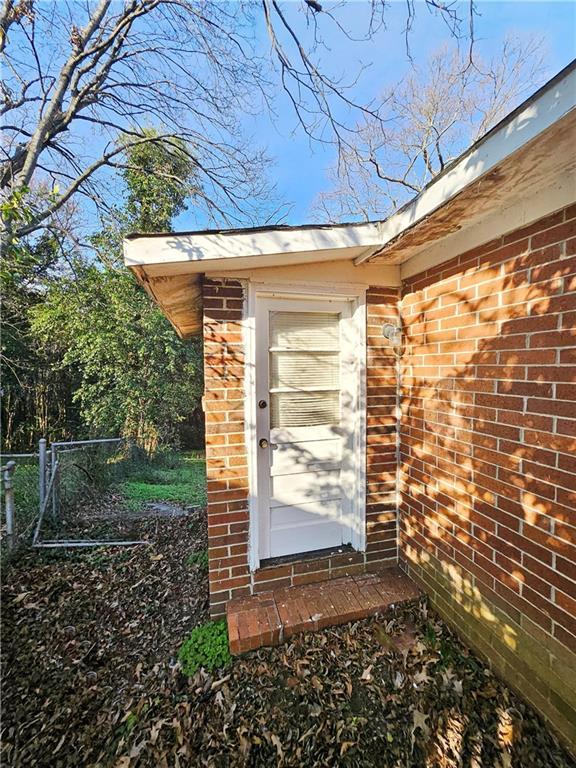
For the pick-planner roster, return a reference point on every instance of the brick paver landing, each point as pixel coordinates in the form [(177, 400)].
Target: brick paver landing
[(270, 618)]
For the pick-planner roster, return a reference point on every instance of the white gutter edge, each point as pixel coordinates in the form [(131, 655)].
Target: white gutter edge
[(538, 115), (199, 249)]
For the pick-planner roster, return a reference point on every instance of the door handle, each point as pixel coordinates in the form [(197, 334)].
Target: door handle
[(263, 443)]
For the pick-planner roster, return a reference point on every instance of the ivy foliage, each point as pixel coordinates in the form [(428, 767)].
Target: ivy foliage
[(131, 374), (206, 647), (158, 179)]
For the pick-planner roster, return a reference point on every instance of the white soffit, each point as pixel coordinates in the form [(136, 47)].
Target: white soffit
[(237, 249), (514, 174), (530, 150)]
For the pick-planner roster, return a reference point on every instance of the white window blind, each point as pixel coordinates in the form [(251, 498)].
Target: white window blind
[(305, 330), (304, 369), (304, 410)]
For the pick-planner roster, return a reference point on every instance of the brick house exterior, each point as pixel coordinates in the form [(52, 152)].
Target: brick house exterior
[(227, 461), (465, 432), (486, 493), (488, 453)]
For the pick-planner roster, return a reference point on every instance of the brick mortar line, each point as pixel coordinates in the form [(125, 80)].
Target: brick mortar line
[(498, 450), (518, 533), (416, 567), (504, 482), (496, 522), (495, 581), (520, 565)]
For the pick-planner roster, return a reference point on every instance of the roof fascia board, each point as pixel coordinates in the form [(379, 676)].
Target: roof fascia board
[(525, 124), (543, 203), (200, 249)]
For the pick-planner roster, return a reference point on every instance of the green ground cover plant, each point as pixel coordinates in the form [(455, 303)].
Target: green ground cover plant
[(178, 478), (206, 647), (199, 559)]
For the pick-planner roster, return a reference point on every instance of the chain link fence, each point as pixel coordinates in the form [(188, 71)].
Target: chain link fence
[(19, 499), (57, 496)]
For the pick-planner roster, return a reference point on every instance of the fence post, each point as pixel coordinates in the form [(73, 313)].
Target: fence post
[(9, 503), (53, 468), (42, 470)]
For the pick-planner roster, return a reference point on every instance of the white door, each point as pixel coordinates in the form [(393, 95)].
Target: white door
[(306, 393)]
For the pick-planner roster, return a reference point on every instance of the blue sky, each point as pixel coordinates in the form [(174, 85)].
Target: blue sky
[(300, 168)]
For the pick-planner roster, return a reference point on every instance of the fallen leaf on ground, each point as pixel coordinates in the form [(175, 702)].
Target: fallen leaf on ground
[(109, 692), (367, 674)]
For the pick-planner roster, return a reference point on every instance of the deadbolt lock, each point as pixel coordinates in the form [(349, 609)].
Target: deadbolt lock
[(263, 443), (262, 403)]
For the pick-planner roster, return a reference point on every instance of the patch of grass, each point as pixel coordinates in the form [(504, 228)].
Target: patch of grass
[(137, 493), (182, 480), (198, 558), (26, 502), (206, 647), (127, 725), (430, 636)]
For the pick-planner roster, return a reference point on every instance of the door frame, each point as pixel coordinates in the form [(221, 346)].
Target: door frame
[(356, 296)]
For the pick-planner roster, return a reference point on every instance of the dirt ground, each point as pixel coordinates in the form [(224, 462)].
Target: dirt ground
[(90, 678)]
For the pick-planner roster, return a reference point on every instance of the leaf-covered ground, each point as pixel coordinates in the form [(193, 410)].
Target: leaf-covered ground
[(90, 678)]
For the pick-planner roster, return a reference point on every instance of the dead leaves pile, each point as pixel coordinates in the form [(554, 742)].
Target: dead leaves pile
[(88, 636), (91, 680), (395, 691)]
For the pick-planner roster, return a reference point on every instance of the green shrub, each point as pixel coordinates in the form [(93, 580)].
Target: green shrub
[(198, 558), (206, 647)]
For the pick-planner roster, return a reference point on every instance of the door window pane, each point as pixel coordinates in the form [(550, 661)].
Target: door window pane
[(305, 330), (304, 377), (304, 370), (304, 409)]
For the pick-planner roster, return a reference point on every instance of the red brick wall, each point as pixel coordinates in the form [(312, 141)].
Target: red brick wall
[(381, 427), (488, 452), (226, 462), (226, 459)]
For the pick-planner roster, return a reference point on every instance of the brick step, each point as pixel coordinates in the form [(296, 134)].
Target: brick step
[(270, 618)]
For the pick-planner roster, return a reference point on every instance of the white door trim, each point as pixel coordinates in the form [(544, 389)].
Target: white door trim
[(356, 295)]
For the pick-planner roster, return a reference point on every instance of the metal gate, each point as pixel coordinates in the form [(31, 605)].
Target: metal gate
[(69, 474)]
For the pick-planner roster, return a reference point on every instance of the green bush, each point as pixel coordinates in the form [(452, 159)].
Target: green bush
[(206, 647), (198, 558)]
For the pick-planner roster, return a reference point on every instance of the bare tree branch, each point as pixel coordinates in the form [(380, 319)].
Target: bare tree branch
[(86, 78), (429, 119)]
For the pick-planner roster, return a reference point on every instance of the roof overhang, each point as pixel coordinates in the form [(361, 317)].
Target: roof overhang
[(169, 266), (529, 154), (522, 169)]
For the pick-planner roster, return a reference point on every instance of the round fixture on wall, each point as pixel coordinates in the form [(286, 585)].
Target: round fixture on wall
[(393, 333)]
